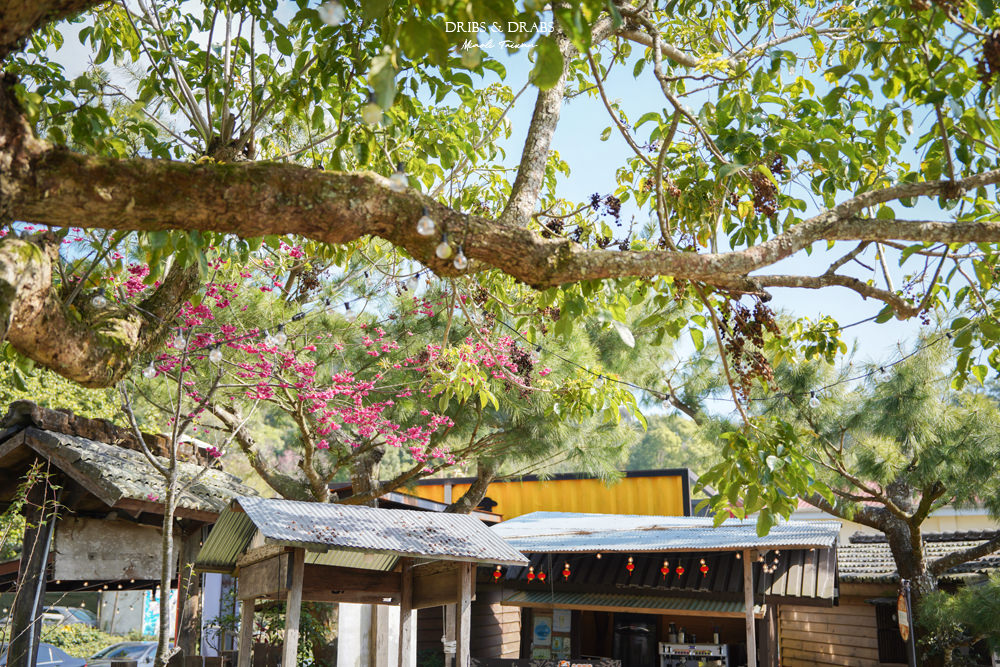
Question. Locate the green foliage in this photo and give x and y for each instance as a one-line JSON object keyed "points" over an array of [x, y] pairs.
{"points": [[53, 391], [953, 622], [673, 442], [80, 641]]}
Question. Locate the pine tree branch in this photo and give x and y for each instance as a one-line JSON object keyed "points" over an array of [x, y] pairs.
{"points": [[945, 563]]}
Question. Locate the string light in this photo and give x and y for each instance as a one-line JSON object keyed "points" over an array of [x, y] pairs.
{"points": [[413, 282], [813, 400], [280, 337], [497, 574], [269, 339], [371, 113], [398, 181], [630, 566], [426, 225], [531, 573], [599, 382], [215, 356], [461, 261], [178, 341], [443, 249], [99, 300], [332, 13]]}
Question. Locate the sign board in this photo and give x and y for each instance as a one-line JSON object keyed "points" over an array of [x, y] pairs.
{"points": [[542, 631], [903, 615]]}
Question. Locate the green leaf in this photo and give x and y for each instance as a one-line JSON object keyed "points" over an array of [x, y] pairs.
{"points": [[605, 134], [727, 170], [987, 7], [382, 79], [284, 45], [374, 9], [698, 338], [548, 63]]}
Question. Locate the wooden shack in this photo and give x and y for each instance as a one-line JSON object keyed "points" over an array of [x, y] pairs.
{"points": [[295, 551], [95, 513]]}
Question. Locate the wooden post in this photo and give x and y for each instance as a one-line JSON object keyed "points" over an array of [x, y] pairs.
{"points": [[26, 615], [246, 632], [293, 610], [464, 615], [748, 558], [406, 612], [448, 639], [189, 596]]}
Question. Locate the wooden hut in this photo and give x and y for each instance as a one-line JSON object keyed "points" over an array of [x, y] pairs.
{"points": [[295, 551]]}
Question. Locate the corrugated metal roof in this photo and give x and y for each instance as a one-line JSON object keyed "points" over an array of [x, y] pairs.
{"points": [[114, 473], [566, 600], [351, 528], [864, 560], [571, 532], [794, 573]]}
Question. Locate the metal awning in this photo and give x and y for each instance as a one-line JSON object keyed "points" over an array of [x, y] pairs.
{"points": [[566, 532], [680, 606], [368, 537]]}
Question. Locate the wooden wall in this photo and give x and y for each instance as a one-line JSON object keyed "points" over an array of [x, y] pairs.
{"points": [[842, 635], [496, 629]]}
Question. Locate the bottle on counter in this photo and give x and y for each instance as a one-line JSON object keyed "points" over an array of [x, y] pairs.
{"points": [[680, 635], [715, 635], [672, 634]]}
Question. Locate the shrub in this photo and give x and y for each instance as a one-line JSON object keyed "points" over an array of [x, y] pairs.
{"points": [[80, 641]]}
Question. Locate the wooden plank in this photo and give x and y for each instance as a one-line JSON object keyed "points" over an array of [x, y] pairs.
{"points": [[818, 659], [820, 648], [463, 615], [830, 628], [635, 610], [293, 610], [246, 633], [325, 583], [834, 639], [846, 612], [793, 577], [407, 617], [257, 554], [748, 557], [264, 578], [436, 588]]}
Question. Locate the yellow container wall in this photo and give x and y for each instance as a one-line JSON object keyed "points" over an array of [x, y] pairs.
{"points": [[658, 495]]}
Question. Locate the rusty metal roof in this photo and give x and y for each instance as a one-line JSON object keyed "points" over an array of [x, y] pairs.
{"points": [[551, 532], [350, 528]]}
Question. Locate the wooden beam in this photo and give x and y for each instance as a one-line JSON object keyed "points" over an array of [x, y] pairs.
{"points": [[257, 554], [435, 585], [406, 615], [463, 619], [748, 558], [631, 610], [326, 582], [264, 578], [26, 615], [293, 610], [245, 656]]}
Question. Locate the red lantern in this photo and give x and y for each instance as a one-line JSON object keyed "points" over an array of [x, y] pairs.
{"points": [[541, 576], [703, 568], [531, 574], [630, 566], [679, 570], [497, 574], [566, 571], [665, 570]]}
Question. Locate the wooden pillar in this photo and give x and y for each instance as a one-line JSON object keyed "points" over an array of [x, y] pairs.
{"points": [[293, 610], [748, 558], [246, 632], [448, 638], [26, 615], [406, 615], [463, 619], [189, 595]]}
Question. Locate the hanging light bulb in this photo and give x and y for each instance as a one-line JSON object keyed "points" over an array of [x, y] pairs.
{"points": [[813, 400], [149, 372], [371, 113], [497, 574], [566, 572], [665, 570], [630, 566], [99, 300], [426, 225], [665, 403], [332, 13], [398, 181], [536, 354], [280, 337], [599, 382], [215, 356], [443, 249], [598, 555], [269, 339], [178, 342], [461, 261], [413, 282], [531, 573]]}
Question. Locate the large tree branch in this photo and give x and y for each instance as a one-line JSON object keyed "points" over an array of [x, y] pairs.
{"points": [[92, 346], [945, 563], [19, 18], [67, 189]]}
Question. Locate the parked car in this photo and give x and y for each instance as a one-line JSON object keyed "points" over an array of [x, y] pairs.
{"points": [[48, 656], [142, 652], [69, 616]]}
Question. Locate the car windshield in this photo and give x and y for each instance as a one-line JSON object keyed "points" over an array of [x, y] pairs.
{"points": [[128, 651]]}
